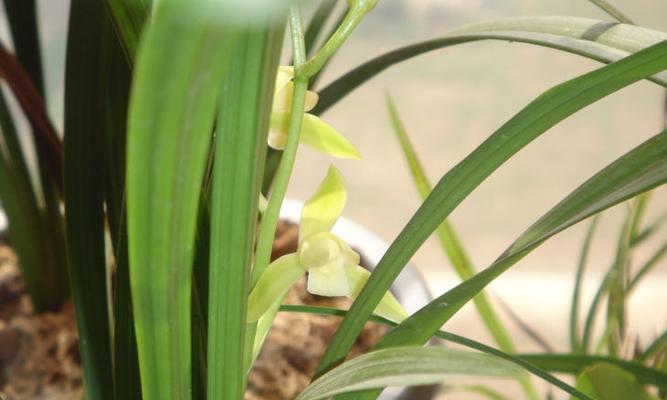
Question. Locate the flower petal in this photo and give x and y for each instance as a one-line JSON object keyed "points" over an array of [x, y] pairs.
{"points": [[329, 279], [277, 138], [285, 74], [388, 308], [318, 134], [321, 211], [282, 99], [273, 284]]}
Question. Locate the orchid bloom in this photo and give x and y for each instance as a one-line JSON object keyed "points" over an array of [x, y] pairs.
{"points": [[314, 132], [332, 266]]}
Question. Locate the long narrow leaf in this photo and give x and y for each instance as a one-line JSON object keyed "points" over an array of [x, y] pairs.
{"points": [[171, 115], [118, 77], [544, 112], [590, 38], [86, 77], [407, 366], [239, 161], [129, 18], [574, 333], [22, 18], [449, 240], [453, 338], [639, 170]]}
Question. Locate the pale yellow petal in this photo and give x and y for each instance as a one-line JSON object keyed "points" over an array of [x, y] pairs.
{"points": [[277, 138], [273, 284], [285, 74], [282, 99], [318, 134], [311, 100], [329, 279], [319, 249], [322, 210], [388, 308]]}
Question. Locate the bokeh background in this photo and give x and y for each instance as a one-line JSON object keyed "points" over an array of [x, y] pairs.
{"points": [[450, 101]]}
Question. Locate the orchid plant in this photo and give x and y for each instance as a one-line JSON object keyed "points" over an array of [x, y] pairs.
{"points": [[173, 110]]}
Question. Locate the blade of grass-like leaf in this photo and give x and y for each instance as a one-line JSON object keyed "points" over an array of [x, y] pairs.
{"points": [[659, 344], [590, 38], [544, 112], [49, 193], [574, 364], [239, 161], [129, 18], [639, 170], [449, 240], [118, 76], [451, 337], [47, 143], [172, 107], [575, 341], [612, 11], [647, 267], [451, 244], [603, 289], [41, 271], [615, 324], [606, 285], [407, 366], [648, 231], [11, 143], [22, 18], [86, 76]]}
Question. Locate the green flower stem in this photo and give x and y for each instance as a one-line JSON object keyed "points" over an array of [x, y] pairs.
{"points": [[354, 15], [269, 222], [267, 228]]}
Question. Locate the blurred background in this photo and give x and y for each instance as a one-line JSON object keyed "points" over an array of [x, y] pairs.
{"points": [[450, 101]]}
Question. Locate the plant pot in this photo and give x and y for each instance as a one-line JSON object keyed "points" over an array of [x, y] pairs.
{"points": [[409, 288]]}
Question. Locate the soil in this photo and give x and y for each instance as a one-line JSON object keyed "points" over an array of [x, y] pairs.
{"points": [[39, 354]]}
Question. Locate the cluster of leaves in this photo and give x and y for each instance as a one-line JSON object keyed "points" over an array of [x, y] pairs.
{"points": [[168, 108]]}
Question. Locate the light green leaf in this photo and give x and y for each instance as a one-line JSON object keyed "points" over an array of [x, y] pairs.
{"points": [[389, 306], [407, 366], [242, 126], [273, 285], [172, 108], [609, 382], [322, 210]]}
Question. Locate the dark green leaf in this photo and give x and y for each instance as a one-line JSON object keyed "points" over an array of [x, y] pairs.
{"points": [[87, 72]]}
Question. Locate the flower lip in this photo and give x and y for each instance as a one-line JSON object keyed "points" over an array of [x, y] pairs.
{"points": [[319, 250]]}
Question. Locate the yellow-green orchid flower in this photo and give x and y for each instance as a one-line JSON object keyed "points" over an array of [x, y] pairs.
{"points": [[332, 267], [314, 132]]}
